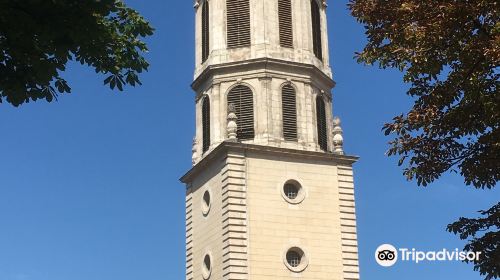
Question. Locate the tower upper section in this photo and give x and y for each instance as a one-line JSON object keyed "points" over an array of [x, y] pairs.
{"points": [[231, 31], [262, 75]]}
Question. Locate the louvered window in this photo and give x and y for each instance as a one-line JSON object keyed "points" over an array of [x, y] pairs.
{"points": [[205, 116], [205, 31], [285, 23], [289, 105], [293, 258], [242, 99], [321, 123], [238, 23], [316, 29]]}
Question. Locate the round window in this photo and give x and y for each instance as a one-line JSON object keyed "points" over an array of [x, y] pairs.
{"points": [[207, 263], [293, 258], [293, 192], [207, 266], [296, 260], [206, 202]]}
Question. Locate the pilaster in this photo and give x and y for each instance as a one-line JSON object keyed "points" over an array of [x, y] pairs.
{"points": [[234, 218], [348, 223], [189, 233]]}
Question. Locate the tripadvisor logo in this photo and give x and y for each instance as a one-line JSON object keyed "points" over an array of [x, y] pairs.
{"points": [[387, 255]]}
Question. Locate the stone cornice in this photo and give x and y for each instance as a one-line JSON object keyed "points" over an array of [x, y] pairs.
{"points": [[251, 149], [256, 64]]}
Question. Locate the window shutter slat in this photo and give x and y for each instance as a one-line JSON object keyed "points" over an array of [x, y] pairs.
{"points": [[238, 23], [321, 123], [205, 115], [242, 99], [289, 108], [316, 29], [205, 30], [285, 23]]}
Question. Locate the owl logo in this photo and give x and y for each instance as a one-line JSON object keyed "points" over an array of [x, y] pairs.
{"points": [[386, 255]]}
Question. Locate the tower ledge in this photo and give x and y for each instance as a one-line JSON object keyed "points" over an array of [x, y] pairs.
{"points": [[245, 149], [265, 64]]}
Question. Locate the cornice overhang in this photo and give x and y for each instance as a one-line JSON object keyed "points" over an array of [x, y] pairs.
{"points": [[259, 63], [254, 150]]}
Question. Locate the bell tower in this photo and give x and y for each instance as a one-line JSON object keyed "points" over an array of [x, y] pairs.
{"points": [[270, 194]]}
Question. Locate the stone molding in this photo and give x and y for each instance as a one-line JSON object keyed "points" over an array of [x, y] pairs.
{"points": [[227, 146]]}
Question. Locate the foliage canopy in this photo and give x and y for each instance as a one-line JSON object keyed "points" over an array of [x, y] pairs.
{"points": [[39, 37], [449, 53], [488, 244]]}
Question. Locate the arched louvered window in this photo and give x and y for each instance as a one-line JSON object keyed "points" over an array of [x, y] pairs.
{"points": [[316, 29], [205, 31], [289, 106], [321, 123], [285, 23], [238, 23], [205, 119], [242, 99]]}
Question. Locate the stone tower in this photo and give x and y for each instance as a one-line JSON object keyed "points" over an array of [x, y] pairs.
{"points": [[270, 195]]}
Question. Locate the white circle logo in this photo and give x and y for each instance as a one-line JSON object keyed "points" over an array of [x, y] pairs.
{"points": [[386, 255]]}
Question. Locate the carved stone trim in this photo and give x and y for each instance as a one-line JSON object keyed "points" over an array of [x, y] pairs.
{"points": [[350, 259], [189, 233], [234, 218]]}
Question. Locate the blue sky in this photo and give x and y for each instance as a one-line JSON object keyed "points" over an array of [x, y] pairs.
{"points": [[89, 184]]}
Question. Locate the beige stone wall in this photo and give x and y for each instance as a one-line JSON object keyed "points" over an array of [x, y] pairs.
{"points": [[222, 232], [316, 224], [250, 225], [203, 233]]}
